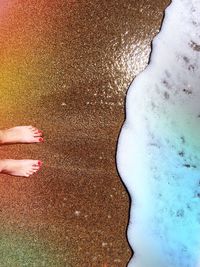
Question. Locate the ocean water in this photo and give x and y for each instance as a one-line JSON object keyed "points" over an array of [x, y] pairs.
{"points": [[158, 154]]}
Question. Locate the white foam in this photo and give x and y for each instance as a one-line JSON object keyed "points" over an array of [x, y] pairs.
{"points": [[158, 155]]}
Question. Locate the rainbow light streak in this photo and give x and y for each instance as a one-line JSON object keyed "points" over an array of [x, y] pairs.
{"points": [[26, 63]]}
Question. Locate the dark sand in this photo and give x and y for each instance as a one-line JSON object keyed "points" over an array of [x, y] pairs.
{"points": [[66, 70]]}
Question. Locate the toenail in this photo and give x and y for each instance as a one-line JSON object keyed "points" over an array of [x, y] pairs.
{"points": [[39, 162], [41, 139]]}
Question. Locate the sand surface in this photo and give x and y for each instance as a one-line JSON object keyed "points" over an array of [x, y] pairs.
{"points": [[65, 68]]}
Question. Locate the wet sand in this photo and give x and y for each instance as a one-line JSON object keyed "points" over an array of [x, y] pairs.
{"points": [[65, 69]]}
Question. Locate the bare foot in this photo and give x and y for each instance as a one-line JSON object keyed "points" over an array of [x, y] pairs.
{"points": [[22, 167], [21, 134]]}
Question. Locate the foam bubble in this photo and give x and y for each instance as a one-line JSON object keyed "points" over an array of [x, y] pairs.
{"points": [[158, 155]]}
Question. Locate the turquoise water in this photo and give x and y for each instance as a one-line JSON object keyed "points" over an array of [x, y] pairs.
{"points": [[158, 155]]}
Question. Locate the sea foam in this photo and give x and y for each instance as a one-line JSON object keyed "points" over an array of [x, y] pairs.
{"points": [[158, 154]]}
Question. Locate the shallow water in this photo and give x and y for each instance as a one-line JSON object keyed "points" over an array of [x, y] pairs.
{"points": [[158, 152]]}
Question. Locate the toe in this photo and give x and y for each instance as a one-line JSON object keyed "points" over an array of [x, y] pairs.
{"points": [[40, 163], [37, 133], [37, 139], [32, 128], [37, 163], [35, 168]]}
